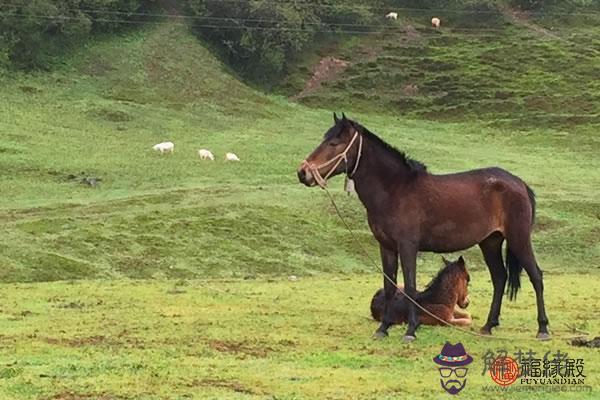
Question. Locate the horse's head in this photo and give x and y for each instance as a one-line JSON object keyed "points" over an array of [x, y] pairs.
{"points": [[339, 152], [460, 278]]}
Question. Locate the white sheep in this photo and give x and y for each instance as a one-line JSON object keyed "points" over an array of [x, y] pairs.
{"points": [[231, 157], [392, 15], [435, 22], [164, 147], [206, 155]]}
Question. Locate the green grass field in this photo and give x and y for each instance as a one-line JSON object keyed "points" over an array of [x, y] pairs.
{"points": [[169, 280]]}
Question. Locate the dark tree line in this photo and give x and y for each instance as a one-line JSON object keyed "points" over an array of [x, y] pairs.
{"points": [[32, 32], [256, 37]]}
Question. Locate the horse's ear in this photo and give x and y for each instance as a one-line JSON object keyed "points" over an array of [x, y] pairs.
{"points": [[335, 118], [344, 117], [446, 261], [461, 260]]}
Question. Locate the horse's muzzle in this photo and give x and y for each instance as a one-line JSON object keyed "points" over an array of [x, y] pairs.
{"points": [[305, 176], [465, 303]]}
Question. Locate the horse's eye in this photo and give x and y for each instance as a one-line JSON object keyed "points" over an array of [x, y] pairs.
{"points": [[333, 143]]}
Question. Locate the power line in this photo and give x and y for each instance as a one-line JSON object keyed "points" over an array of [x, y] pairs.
{"points": [[253, 28], [442, 11], [212, 22]]}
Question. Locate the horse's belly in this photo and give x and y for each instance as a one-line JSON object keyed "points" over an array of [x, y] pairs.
{"points": [[450, 236]]}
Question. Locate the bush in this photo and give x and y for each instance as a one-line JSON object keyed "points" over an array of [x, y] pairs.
{"points": [[33, 32], [258, 38]]}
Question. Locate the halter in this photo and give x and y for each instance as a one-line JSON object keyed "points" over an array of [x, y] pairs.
{"points": [[322, 181]]}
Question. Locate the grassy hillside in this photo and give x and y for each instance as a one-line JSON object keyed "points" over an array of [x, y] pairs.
{"points": [[514, 69], [175, 271], [176, 216]]}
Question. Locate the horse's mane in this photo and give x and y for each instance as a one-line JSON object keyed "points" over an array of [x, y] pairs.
{"points": [[413, 165], [432, 287]]}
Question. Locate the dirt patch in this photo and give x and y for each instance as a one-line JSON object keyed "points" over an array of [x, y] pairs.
{"points": [[98, 340], [110, 115], [583, 342], [410, 90], [327, 69], [543, 223], [224, 384], [79, 342], [411, 34], [241, 349], [523, 18], [30, 89], [81, 396]]}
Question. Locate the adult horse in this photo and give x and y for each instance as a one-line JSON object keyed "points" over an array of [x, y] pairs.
{"points": [[410, 210]]}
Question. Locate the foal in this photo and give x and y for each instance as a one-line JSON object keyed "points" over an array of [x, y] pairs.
{"points": [[448, 290]]}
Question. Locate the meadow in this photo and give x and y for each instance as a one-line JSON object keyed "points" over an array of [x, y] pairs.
{"points": [[170, 279]]}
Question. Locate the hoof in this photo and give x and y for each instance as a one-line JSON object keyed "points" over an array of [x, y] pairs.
{"points": [[378, 335], [485, 331], [409, 338], [543, 336]]}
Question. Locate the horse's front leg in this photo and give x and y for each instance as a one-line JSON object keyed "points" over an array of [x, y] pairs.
{"points": [[408, 259], [461, 318], [458, 313], [389, 259]]}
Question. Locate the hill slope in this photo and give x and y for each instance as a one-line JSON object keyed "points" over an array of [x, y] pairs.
{"points": [[178, 217], [507, 67]]}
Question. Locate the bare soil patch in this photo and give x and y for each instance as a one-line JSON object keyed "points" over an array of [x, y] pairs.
{"points": [[84, 396], [327, 69], [523, 18], [222, 383], [583, 342], [241, 348]]}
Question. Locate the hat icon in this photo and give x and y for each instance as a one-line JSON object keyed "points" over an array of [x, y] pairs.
{"points": [[453, 355]]}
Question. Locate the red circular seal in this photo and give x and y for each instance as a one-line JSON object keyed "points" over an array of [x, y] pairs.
{"points": [[504, 371]]}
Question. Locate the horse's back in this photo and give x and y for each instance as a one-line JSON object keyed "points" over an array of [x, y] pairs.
{"points": [[463, 208], [479, 184]]}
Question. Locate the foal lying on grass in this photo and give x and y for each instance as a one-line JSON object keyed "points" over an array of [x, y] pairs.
{"points": [[441, 296]]}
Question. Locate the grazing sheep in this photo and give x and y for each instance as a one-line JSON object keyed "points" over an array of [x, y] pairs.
{"points": [[206, 155], [164, 147], [435, 22], [392, 15], [231, 157]]}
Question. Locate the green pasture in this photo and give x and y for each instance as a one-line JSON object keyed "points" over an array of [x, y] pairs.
{"points": [[171, 278], [257, 339]]}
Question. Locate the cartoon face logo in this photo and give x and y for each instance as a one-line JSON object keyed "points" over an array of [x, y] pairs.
{"points": [[452, 361]]}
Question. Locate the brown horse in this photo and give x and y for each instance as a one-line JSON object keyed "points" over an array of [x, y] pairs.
{"points": [[411, 210], [447, 291]]}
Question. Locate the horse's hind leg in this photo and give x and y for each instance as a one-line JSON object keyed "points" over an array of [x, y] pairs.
{"points": [[491, 248], [461, 321], [460, 313], [523, 252]]}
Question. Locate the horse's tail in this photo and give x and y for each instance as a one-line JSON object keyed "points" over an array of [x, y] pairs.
{"points": [[512, 262], [514, 274], [531, 195]]}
